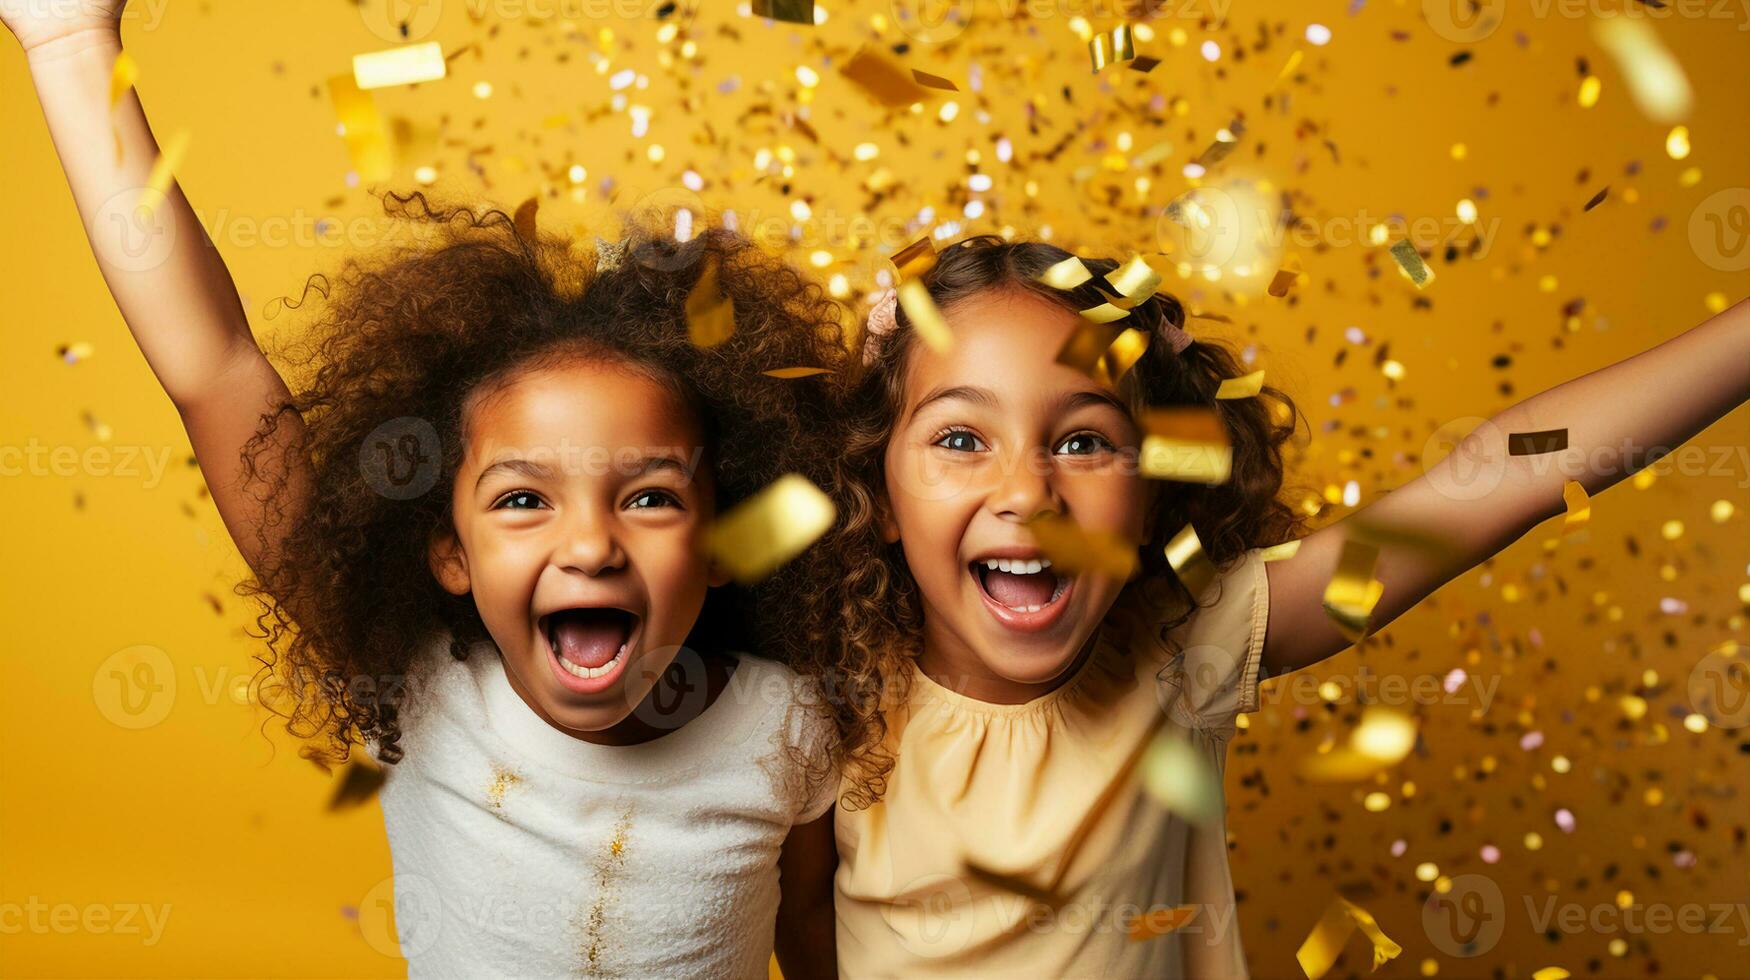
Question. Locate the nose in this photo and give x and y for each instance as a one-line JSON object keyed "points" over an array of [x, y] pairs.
{"points": [[590, 546], [1027, 488]]}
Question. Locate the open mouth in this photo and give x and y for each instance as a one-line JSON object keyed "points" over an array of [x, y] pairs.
{"points": [[589, 643], [1020, 585]]}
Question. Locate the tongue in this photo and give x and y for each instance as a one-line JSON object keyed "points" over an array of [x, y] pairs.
{"points": [[589, 639], [1020, 590]]}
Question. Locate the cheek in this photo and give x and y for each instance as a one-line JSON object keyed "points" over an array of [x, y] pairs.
{"points": [[1109, 500]]}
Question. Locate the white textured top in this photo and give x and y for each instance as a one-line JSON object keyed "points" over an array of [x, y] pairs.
{"points": [[522, 851]]}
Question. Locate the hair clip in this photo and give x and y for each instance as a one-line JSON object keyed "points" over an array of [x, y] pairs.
{"points": [[608, 254]]}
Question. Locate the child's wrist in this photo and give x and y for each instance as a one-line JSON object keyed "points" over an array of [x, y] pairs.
{"points": [[104, 38]]}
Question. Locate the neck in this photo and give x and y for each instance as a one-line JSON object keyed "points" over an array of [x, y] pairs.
{"points": [[951, 662]]}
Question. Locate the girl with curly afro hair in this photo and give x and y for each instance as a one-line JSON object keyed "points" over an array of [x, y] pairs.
{"points": [[479, 519]]}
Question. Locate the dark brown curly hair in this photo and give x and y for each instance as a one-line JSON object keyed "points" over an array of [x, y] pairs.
{"points": [[872, 620], [402, 339]]}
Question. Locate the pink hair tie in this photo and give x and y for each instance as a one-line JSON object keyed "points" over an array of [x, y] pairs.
{"points": [[883, 317]]}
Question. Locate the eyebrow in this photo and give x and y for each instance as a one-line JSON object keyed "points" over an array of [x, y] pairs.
{"points": [[1093, 398], [541, 471], [1086, 398], [978, 396]]}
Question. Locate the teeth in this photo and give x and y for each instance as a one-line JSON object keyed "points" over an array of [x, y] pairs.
{"points": [[1017, 566], [578, 670]]}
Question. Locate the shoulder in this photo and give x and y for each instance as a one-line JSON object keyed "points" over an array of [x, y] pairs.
{"points": [[798, 731], [1215, 649], [439, 692]]}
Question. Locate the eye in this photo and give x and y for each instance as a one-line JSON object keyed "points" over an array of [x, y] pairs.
{"points": [[1084, 444], [518, 500], [646, 499], [959, 440]]}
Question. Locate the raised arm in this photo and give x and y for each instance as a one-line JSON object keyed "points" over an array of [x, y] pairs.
{"points": [[1480, 498], [167, 278]]}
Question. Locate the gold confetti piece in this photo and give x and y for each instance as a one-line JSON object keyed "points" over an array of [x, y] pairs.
{"points": [[358, 784], [1656, 80], [882, 78], [1383, 738], [1015, 885], [1067, 274], [1579, 506], [1293, 63], [164, 170], [1537, 443], [1244, 386], [1114, 48], [1186, 557], [788, 11], [1181, 779], [1085, 348], [1105, 313], [399, 66], [1285, 277], [1551, 973], [1411, 262], [1598, 198], [792, 373], [1121, 355], [768, 529], [710, 314], [1077, 549], [928, 80], [1225, 141], [74, 352], [1277, 552], [1325, 943], [1159, 922], [367, 140], [122, 76], [1135, 280], [917, 259], [524, 219], [1145, 64], [925, 318], [1189, 445], [1353, 591]]}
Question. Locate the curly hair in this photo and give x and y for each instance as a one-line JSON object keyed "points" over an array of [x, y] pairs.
{"points": [[876, 609], [386, 372]]}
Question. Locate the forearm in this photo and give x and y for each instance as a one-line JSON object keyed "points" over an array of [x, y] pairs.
{"points": [[1622, 417], [168, 280], [1482, 497]]}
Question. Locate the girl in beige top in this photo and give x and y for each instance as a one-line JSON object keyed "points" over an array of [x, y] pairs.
{"points": [[1010, 636]]}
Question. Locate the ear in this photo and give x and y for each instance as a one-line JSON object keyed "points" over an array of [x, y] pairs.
{"points": [[716, 576], [449, 563], [884, 516]]}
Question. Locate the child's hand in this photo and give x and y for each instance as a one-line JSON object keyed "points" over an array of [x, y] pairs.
{"points": [[37, 22]]}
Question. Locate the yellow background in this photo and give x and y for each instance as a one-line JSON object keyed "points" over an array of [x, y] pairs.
{"points": [[203, 813]]}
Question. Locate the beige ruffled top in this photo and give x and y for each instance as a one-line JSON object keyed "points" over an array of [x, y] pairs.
{"points": [[1016, 840]]}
